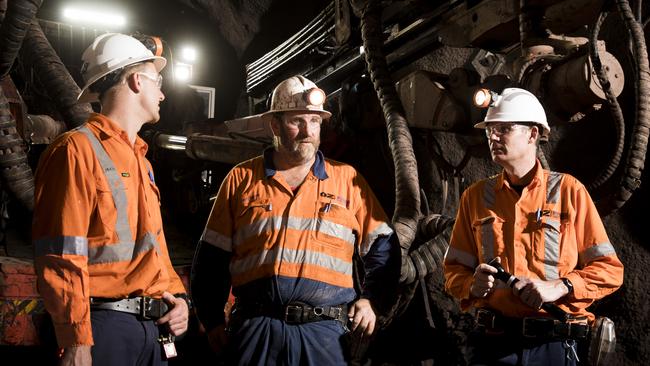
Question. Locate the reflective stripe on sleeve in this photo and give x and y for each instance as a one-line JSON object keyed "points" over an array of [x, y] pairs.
{"points": [[215, 239], [381, 230], [592, 253], [455, 255], [74, 245]]}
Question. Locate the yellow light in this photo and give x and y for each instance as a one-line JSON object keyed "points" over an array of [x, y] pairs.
{"points": [[315, 96], [482, 98]]}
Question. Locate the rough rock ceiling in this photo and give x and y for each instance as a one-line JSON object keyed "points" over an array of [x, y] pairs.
{"points": [[253, 27]]}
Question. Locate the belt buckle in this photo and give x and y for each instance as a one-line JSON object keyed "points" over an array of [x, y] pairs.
{"points": [[145, 307], [293, 314]]}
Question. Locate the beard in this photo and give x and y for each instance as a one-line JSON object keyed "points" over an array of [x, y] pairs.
{"points": [[297, 151]]}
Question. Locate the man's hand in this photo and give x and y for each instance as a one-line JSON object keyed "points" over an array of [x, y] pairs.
{"points": [[218, 339], [176, 318], [76, 356], [363, 317], [536, 292], [483, 280]]}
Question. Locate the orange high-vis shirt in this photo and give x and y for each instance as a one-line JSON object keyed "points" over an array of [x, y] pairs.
{"points": [[97, 229], [312, 233], [552, 231]]}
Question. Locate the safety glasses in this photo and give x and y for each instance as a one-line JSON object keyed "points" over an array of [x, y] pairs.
{"points": [[157, 78], [501, 129]]}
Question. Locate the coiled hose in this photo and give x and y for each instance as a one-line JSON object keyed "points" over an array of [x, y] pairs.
{"points": [[428, 257], [14, 28], [407, 196], [16, 174], [56, 79], [631, 179], [614, 106]]}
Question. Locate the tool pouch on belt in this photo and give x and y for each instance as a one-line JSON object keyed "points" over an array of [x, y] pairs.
{"points": [[602, 342]]}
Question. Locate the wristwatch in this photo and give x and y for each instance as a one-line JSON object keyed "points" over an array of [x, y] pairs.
{"points": [[568, 285]]}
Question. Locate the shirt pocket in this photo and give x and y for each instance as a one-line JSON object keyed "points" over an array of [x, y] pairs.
{"points": [[332, 224], [547, 240], [488, 233], [106, 212], [254, 219]]}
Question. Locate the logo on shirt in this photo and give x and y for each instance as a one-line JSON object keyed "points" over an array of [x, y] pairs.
{"points": [[126, 174]]}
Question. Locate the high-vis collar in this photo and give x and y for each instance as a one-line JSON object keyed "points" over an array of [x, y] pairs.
{"points": [[502, 182], [109, 129], [318, 168]]}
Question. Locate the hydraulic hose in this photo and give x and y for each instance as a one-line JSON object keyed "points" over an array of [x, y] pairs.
{"points": [[407, 191], [631, 179], [429, 257], [614, 106], [16, 173], [15, 25], [56, 79]]}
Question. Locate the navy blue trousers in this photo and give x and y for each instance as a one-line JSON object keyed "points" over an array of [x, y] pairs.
{"points": [[268, 341], [519, 351], [123, 340]]}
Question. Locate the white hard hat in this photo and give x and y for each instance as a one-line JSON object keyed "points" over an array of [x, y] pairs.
{"points": [[516, 105], [110, 52], [296, 94]]}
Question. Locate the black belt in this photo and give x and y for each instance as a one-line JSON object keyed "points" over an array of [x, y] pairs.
{"points": [[495, 324], [293, 313], [145, 307]]}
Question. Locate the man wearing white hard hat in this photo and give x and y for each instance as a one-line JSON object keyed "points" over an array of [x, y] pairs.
{"points": [[528, 251], [100, 253], [283, 232]]}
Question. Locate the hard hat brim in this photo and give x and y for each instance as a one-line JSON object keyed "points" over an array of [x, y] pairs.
{"points": [[86, 96], [266, 116]]}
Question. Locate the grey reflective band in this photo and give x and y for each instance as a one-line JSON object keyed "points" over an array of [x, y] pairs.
{"points": [[595, 252], [488, 192], [122, 227], [72, 245], [381, 230], [215, 239], [125, 249], [551, 248], [487, 240], [553, 187], [277, 254], [455, 255], [551, 228], [122, 251], [275, 223]]}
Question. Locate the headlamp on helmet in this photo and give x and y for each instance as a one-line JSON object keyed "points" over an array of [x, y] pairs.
{"points": [[484, 98], [314, 96]]}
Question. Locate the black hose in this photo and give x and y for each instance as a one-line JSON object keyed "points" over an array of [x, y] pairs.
{"points": [[407, 199], [15, 25], [16, 173], [56, 79], [614, 106], [631, 179], [429, 257]]}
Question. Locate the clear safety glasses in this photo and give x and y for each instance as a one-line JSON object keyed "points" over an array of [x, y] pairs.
{"points": [[157, 78]]}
